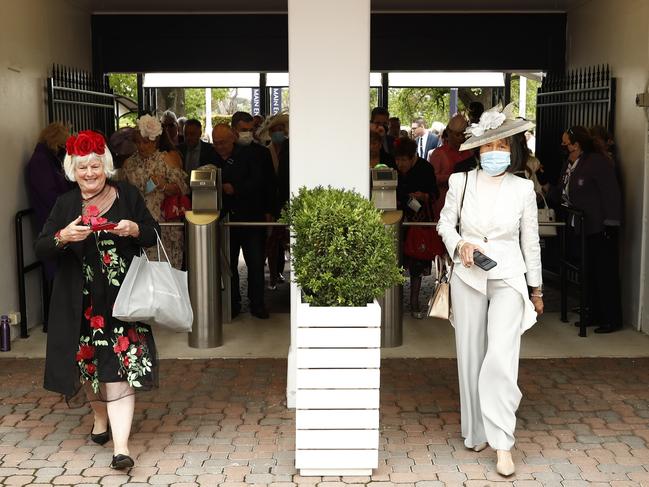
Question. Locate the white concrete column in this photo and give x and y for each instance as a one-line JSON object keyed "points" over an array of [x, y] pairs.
{"points": [[522, 96], [208, 113], [329, 66]]}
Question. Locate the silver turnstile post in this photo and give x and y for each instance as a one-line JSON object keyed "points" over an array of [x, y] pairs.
{"points": [[392, 301], [204, 273]]}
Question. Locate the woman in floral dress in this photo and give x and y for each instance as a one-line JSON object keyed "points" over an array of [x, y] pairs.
{"points": [[157, 174], [93, 232]]}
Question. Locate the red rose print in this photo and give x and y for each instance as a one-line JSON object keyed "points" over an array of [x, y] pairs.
{"points": [[86, 352], [132, 335], [92, 210], [126, 361], [91, 368], [138, 352], [78, 357], [107, 258], [88, 313], [97, 322], [121, 345]]}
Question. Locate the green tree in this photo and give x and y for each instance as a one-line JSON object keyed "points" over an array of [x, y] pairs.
{"points": [[532, 90], [124, 84]]}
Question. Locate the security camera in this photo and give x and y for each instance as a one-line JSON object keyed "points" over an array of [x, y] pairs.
{"points": [[642, 100]]}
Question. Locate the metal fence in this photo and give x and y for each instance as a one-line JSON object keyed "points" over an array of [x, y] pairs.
{"points": [[581, 97], [80, 99]]}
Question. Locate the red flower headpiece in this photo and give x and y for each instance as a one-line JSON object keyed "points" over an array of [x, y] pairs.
{"points": [[86, 142]]}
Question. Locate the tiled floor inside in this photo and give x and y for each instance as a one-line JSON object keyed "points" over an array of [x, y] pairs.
{"points": [[223, 422]]}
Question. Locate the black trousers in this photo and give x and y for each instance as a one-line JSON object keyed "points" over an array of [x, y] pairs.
{"points": [[252, 241], [603, 277]]}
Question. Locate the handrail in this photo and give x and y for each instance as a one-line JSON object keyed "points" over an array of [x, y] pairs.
{"points": [[581, 269], [22, 270]]}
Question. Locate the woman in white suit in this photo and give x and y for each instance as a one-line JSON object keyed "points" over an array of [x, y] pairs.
{"points": [[494, 212]]}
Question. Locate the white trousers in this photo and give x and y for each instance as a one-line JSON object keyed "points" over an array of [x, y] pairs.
{"points": [[488, 338]]}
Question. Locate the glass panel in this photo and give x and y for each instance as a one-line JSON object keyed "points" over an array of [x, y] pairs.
{"points": [[200, 80], [446, 80], [375, 80]]}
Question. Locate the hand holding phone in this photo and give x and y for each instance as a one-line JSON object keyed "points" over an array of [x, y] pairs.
{"points": [[482, 261]]}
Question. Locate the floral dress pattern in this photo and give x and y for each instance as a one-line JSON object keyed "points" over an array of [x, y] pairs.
{"points": [[110, 350], [137, 170]]}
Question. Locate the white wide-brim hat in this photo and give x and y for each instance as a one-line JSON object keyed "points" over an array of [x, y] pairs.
{"points": [[496, 123], [280, 118]]}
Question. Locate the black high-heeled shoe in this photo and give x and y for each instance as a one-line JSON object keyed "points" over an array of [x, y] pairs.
{"points": [[121, 462], [100, 438]]}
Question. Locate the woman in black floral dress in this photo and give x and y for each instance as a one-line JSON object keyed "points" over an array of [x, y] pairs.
{"points": [[93, 232]]}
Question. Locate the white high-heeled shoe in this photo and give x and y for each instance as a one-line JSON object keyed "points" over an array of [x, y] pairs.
{"points": [[505, 465], [480, 447]]}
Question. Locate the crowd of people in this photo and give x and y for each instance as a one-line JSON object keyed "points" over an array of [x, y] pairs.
{"points": [[475, 175], [595, 191]]}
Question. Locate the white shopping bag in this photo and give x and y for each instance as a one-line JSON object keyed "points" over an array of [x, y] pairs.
{"points": [[156, 294]]}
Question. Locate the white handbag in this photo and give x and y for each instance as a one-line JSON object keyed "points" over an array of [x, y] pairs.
{"points": [[547, 215], [155, 293], [439, 304]]}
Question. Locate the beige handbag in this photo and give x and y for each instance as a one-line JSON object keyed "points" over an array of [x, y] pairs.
{"points": [[439, 304], [547, 215]]}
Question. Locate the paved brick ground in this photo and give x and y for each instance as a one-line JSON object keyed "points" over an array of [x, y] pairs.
{"points": [[582, 422]]}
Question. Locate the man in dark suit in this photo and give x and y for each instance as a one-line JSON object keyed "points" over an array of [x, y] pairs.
{"points": [[194, 151], [243, 125], [426, 141], [243, 200]]}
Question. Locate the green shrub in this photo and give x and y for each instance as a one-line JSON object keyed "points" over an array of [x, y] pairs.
{"points": [[342, 254]]}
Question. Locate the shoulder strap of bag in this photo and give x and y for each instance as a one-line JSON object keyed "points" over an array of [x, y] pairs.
{"points": [[459, 217]]}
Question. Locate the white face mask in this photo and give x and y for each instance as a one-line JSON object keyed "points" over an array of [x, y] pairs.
{"points": [[245, 138]]}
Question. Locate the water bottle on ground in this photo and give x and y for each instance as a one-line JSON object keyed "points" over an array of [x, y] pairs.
{"points": [[5, 334]]}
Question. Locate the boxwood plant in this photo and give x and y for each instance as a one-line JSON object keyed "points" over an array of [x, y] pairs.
{"points": [[342, 254]]}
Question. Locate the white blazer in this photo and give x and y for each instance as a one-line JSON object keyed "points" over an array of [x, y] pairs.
{"points": [[510, 236]]}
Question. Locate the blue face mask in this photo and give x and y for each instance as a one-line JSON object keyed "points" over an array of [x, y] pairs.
{"points": [[495, 162], [150, 186], [277, 137]]}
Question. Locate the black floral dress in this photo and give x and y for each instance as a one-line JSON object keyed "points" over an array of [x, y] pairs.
{"points": [[110, 350]]}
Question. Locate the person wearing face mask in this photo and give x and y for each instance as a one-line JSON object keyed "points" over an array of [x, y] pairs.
{"points": [[243, 201], [243, 125], [491, 210], [588, 183], [276, 129]]}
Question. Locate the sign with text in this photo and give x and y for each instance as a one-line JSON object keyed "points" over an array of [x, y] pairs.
{"points": [[256, 101], [275, 100]]}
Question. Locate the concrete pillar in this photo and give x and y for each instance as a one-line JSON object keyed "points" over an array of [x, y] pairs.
{"points": [[522, 97], [329, 66]]}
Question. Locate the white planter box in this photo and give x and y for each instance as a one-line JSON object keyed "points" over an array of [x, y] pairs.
{"points": [[338, 356]]}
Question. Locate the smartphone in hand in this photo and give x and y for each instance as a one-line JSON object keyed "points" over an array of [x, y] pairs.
{"points": [[482, 261], [103, 226]]}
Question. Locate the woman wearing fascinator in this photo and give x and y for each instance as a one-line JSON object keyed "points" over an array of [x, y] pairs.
{"points": [[489, 226], [93, 232]]}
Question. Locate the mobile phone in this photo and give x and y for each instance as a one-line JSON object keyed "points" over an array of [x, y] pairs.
{"points": [[103, 226], [482, 261]]}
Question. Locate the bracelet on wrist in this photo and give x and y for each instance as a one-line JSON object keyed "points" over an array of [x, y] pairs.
{"points": [[536, 295], [57, 239]]}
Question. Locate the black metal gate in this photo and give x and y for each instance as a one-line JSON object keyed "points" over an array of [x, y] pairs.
{"points": [[83, 101], [581, 97]]}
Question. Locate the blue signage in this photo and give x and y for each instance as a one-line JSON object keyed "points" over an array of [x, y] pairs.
{"points": [[275, 100], [256, 101]]}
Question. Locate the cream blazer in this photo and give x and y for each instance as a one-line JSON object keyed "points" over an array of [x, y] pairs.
{"points": [[510, 236]]}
